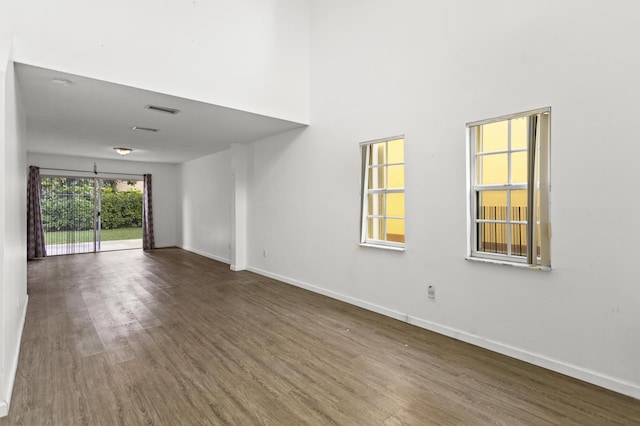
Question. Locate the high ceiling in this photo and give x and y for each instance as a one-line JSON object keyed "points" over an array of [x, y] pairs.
{"points": [[72, 115]]}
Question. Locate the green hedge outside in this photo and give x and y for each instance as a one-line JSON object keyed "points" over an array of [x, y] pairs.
{"points": [[66, 212], [121, 209]]}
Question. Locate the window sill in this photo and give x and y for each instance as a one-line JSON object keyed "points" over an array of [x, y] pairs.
{"points": [[507, 263], [383, 247]]}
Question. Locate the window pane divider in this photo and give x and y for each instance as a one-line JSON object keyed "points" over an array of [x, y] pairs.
{"points": [[503, 151], [501, 221], [385, 191], [500, 187], [379, 165], [509, 251]]}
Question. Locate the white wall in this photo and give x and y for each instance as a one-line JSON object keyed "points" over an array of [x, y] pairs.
{"points": [[8, 14], [424, 69], [204, 206], [5, 316], [164, 181], [13, 249], [250, 55]]}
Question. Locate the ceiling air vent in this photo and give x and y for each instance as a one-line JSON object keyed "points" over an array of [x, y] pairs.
{"points": [[146, 129], [163, 109]]}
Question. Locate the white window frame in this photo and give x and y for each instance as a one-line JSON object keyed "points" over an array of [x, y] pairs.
{"points": [[539, 144], [365, 191]]}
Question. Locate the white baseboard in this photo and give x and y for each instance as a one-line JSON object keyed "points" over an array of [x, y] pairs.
{"points": [[351, 300], [611, 383], [13, 369], [205, 254], [543, 361]]}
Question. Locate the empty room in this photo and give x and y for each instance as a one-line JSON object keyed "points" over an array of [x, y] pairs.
{"points": [[319, 212]]}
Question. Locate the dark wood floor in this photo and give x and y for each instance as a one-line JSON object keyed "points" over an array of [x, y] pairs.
{"points": [[168, 337]]}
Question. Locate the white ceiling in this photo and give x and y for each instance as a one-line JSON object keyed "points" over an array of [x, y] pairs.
{"points": [[89, 117]]}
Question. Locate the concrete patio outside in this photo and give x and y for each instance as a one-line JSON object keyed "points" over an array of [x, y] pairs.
{"points": [[60, 249]]}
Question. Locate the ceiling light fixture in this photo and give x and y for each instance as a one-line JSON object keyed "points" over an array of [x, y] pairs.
{"points": [[146, 129], [122, 151]]}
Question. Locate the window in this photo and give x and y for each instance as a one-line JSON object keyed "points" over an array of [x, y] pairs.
{"points": [[508, 175], [383, 193]]}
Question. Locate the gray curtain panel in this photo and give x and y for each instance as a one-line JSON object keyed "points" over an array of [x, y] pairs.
{"points": [[35, 231], [148, 242]]}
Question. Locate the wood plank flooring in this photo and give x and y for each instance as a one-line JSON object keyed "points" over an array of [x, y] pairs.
{"points": [[168, 337]]}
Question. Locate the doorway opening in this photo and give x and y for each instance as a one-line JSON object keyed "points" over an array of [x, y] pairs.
{"points": [[89, 215]]}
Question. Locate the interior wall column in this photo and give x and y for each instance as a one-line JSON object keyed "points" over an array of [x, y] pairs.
{"points": [[239, 170]]}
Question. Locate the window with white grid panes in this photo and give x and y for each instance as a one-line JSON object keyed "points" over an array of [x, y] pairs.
{"points": [[508, 175], [383, 217]]}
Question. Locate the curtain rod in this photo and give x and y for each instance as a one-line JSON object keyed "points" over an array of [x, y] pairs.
{"points": [[94, 172]]}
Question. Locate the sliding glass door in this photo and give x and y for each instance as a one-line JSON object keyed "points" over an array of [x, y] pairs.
{"points": [[120, 214], [84, 215]]}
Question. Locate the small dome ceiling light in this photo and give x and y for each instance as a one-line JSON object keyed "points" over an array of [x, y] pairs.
{"points": [[123, 151]]}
